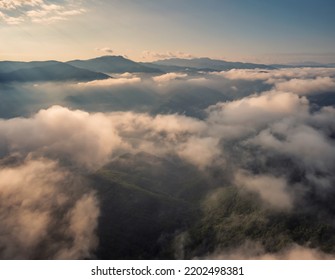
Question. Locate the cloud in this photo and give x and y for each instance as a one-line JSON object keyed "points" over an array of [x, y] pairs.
{"points": [[82, 138], [83, 220], [35, 197], [105, 49], [275, 74], [255, 251], [167, 134], [306, 144], [151, 55], [199, 151], [307, 86], [169, 77], [89, 140], [245, 74], [247, 115], [111, 82], [14, 4], [271, 143], [15, 12], [273, 190]]}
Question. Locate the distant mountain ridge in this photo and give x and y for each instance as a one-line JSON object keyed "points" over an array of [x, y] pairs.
{"points": [[9, 66], [75, 70], [113, 64], [208, 64], [310, 64], [55, 71], [100, 67]]}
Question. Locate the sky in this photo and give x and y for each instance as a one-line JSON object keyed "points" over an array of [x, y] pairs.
{"points": [[264, 31]]}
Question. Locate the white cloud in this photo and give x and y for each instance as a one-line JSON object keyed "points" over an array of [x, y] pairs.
{"points": [[245, 74], [83, 220], [86, 139], [169, 77], [200, 151], [33, 196], [255, 251], [37, 11], [307, 86], [249, 114], [275, 74], [167, 134], [273, 190], [307, 144], [90, 140], [11, 20], [105, 49], [111, 82], [14, 4]]}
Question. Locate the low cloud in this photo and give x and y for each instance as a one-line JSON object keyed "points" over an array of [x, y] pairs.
{"points": [[272, 190], [264, 137], [255, 251], [85, 139], [275, 74], [168, 134], [245, 74], [307, 86], [89, 140], [111, 82], [200, 151], [247, 115], [169, 77], [309, 146], [45, 213]]}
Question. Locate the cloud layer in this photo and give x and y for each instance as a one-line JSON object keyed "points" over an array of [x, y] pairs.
{"points": [[257, 129]]}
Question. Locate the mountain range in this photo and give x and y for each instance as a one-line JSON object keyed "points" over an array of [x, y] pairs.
{"points": [[208, 64], [44, 72], [113, 64], [102, 67]]}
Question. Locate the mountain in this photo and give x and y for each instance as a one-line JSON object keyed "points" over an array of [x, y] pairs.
{"points": [[238, 217], [10, 66], [113, 64], [208, 64], [142, 210], [55, 71], [165, 208], [310, 64]]}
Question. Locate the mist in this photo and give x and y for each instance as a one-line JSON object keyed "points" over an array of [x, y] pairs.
{"points": [[77, 156]]}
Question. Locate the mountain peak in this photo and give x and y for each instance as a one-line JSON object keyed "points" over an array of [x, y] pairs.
{"points": [[112, 64]]}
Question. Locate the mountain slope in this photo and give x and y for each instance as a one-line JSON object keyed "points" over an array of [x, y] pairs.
{"points": [[10, 66], [57, 71], [112, 64], [142, 210]]}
